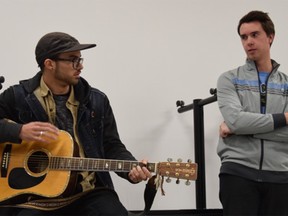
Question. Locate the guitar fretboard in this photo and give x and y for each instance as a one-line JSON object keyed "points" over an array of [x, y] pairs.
{"points": [[87, 164]]}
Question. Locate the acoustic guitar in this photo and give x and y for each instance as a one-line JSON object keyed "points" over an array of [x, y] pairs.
{"points": [[45, 170]]}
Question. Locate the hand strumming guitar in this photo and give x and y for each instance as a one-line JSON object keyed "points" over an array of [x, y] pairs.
{"points": [[38, 131]]}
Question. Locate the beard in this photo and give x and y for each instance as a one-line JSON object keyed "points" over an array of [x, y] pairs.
{"points": [[66, 79]]}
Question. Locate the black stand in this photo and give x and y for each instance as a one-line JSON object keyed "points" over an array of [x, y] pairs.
{"points": [[199, 159], [199, 143]]}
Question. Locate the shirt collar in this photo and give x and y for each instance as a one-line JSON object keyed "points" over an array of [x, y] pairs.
{"points": [[45, 91]]}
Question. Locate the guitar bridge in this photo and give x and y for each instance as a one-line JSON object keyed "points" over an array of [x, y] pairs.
{"points": [[5, 160]]}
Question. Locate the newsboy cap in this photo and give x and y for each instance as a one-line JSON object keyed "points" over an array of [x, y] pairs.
{"points": [[55, 43]]}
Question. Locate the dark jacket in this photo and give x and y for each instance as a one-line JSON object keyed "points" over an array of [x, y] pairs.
{"points": [[96, 125]]}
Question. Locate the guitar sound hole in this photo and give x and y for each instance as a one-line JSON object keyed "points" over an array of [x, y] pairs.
{"points": [[38, 162]]}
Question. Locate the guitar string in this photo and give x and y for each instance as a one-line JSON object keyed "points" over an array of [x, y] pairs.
{"points": [[78, 162]]}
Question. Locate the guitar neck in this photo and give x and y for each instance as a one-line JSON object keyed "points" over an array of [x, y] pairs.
{"points": [[91, 164]]}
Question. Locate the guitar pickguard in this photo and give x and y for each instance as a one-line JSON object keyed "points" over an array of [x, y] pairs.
{"points": [[20, 179]]}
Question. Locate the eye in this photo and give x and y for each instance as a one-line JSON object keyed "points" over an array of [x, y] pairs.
{"points": [[243, 37], [255, 34], [77, 61]]}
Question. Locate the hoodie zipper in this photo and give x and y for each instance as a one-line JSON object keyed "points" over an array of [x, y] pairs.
{"points": [[263, 97]]}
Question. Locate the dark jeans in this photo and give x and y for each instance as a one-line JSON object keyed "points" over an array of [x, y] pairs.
{"points": [[97, 203], [240, 196]]}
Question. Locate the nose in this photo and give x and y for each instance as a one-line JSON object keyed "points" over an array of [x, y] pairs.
{"points": [[250, 41], [80, 66]]}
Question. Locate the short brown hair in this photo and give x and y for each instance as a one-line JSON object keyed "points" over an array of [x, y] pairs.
{"points": [[261, 17]]}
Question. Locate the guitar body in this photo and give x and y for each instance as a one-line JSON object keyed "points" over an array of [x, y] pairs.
{"points": [[25, 168]]}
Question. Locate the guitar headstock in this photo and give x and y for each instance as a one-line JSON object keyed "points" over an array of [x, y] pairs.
{"points": [[179, 170]]}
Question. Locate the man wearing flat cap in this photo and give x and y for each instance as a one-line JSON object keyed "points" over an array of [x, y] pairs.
{"points": [[40, 118]]}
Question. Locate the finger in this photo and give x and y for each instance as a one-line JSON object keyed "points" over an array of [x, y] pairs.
{"points": [[50, 128], [144, 161], [133, 177], [37, 136], [141, 174], [47, 130], [147, 172], [48, 136], [145, 169]]}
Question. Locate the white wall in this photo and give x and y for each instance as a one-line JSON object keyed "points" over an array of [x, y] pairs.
{"points": [[149, 54]]}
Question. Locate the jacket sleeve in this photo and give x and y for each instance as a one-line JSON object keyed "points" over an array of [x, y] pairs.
{"points": [[280, 134], [239, 120], [9, 130], [113, 146]]}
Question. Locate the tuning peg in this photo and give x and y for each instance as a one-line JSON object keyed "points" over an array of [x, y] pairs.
{"points": [[169, 159], [179, 160], [168, 180], [177, 181], [187, 182]]}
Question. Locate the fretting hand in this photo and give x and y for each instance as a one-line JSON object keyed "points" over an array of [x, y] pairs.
{"points": [[138, 173]]}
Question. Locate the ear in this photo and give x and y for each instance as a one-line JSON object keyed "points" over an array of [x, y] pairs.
{"points": [[49, 64], [271, 38]]}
